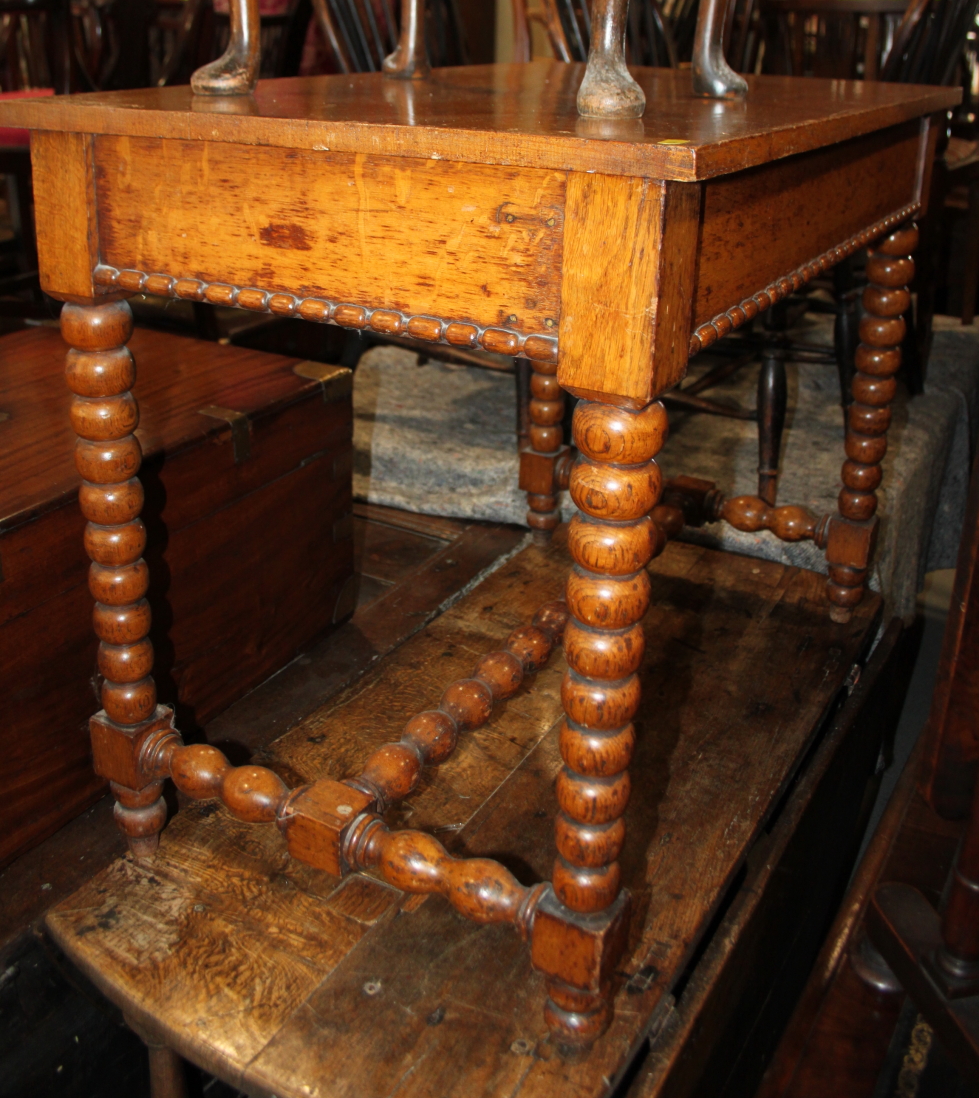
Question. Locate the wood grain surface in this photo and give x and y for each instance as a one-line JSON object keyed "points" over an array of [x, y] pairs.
{"points": [[244, 962], [229, 546], [462, 242], [408, 566], [176, 377], [627, 285], [720, 1034], [521, 114], [64, 212], [825, 196]]}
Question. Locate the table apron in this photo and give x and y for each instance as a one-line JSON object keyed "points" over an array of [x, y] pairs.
{"points": [[607, 275]]}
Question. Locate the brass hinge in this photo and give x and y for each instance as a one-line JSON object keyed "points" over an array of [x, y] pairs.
{"points": [[335, 381], [241, 438]]}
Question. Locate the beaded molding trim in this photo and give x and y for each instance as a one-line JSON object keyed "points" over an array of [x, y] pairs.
{"points": [[501, 341], [726, 322]]}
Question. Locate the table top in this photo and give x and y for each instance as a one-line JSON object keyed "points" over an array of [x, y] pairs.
{"points": [[515, 115]]}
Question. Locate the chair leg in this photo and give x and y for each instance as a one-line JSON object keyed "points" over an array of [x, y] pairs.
{"points": [[772, 398], [539, 463], [970, 283], [845, 341], [167, 1078]]}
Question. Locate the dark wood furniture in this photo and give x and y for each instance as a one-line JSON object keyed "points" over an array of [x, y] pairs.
{"points": [[246, 477], [933, 949], [888, 938], [837, 1041], [827, 37], [282, 978], [476, 209], [951, 764]]}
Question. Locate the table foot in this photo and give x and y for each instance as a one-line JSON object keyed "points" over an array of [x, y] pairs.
{"points": [[410, 59], [713, 77]]}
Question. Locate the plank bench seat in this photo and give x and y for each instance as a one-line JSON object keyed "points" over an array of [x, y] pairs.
{"points": [[282, 979]]}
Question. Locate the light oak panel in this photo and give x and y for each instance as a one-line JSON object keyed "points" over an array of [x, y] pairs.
{"points": [[825, 196], [64, 211], [484, 243], [627, 286]]}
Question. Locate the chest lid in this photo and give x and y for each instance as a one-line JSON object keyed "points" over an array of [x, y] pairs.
{"points": [[178, 379]]}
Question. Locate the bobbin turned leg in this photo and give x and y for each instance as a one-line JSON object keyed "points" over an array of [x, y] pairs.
{"points": [[101, 372], [852, 536], [542, 464], [580, 930]]}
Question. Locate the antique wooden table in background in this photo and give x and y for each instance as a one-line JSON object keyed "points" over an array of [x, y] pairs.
{"points": [[475, 208]]}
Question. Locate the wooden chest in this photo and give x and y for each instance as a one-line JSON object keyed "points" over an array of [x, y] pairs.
{"points": [[247, 480]]}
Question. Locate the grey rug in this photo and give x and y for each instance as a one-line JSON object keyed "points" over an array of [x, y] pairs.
{"points": [[442, 440]]}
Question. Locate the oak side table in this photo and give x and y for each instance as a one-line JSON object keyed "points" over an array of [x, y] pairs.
{"points": [[475, 208]]}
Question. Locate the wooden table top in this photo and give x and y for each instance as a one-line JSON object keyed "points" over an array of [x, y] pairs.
{"points": [[516, 115]]}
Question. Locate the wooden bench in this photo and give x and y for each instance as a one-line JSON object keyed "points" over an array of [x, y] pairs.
{"points": [[283, 979]]}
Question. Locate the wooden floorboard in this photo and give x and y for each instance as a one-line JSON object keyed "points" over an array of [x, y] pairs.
{"points": [[742, 666]]}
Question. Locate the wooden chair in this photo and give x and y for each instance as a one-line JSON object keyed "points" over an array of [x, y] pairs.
{"points": [[35, 55], [839, 39], [361, 34], [649, 39], [35, 45], [935, 954]]}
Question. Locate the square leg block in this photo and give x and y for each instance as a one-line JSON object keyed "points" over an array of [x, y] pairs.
{"points": [[538, 472], [580, 950], [317, 823], [851, 544], [117, 750]]}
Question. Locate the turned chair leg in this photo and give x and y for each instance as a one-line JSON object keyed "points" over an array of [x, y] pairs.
{"points": [[167, 1078], [101, 373], [236, 71], [772, 401], [607, 89], [581, 930], [845, 331], [890, 269], [410, 58], [540, 463]]}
